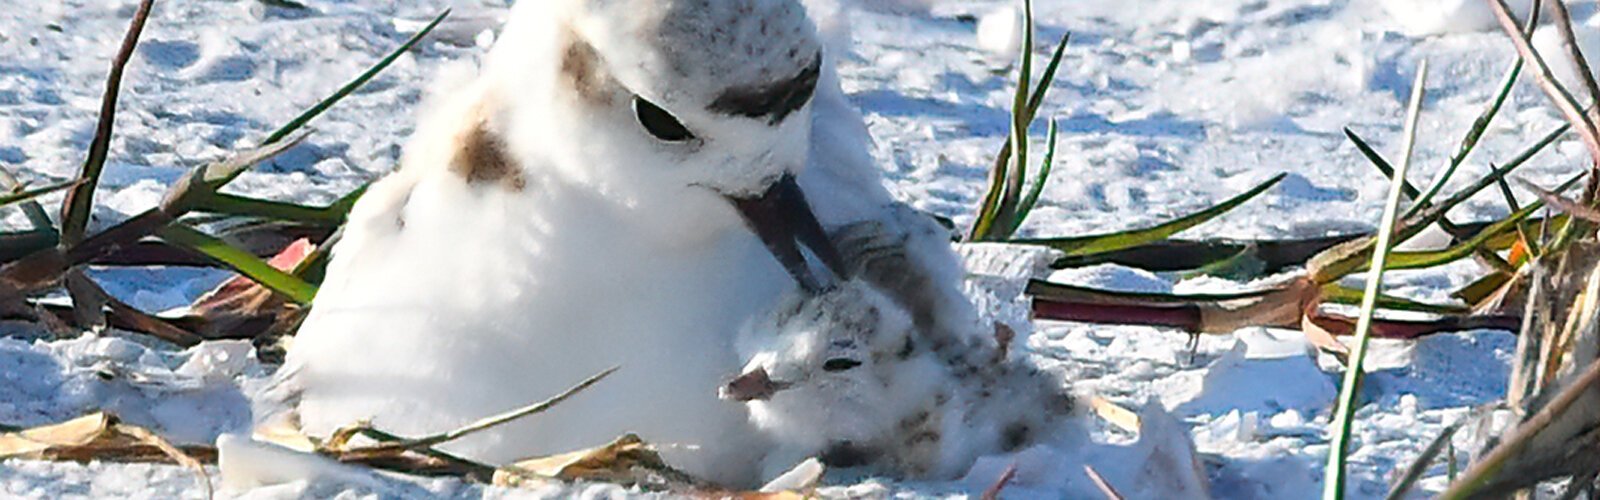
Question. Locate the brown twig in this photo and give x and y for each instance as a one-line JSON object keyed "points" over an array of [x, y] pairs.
{"points": [[75, 209], [999, 484], [1100, 482]]}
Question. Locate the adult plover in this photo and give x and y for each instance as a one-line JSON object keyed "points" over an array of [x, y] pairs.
{"points": [[611, 188]]}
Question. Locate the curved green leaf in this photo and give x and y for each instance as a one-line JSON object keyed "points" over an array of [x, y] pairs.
{"points": [[240, 261], [1079, 246]]}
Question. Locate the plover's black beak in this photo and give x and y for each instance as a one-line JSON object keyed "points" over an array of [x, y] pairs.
{"points": [[784, 222]]}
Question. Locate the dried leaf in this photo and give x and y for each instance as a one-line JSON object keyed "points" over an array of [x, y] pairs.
{"points": [[1115, 414], [1315, 328], [627, 461], [98, 436]]}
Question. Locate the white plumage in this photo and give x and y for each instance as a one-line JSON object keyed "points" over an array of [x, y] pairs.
{"points": [[548, 222], [851, 377]]}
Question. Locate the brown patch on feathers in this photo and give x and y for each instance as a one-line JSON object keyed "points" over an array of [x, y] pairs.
{"points": [[581, 66], [482, 159]]}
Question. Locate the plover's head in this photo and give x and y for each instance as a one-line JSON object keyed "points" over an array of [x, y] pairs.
{"points": [[835, 373], [675, 108]]}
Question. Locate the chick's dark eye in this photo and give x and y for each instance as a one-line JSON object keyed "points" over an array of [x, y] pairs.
{"points": [[659, 122], [839, 364]]}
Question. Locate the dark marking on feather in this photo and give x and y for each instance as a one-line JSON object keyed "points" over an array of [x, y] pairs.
{"points": [[580, 63], [1014, 436], [482, 159], [773, 102]]}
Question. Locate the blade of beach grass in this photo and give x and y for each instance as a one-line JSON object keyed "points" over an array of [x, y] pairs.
{"points": [[76, 207], [996, 215], [360, 80], [1418, 203], [36, 214], [1343, 259], [1334, 487], [1346, 295], [997, 208], [20, 196], [1045, 164], [1430, 258], [1479, 125], [244, 263], [1006, 213], [1559, 96], [1081, 246]]}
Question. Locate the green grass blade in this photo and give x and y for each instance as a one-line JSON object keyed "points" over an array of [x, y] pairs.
{"points": [[269, 209], [1062, 291], [328, 102], [1333, 487], [1047, 78], [29, 194], [1342, 260], [240, 261], [1479, 125], [1010, 195], [1032, 199], [1419, 260], [1078, 246], [1345, 295]]}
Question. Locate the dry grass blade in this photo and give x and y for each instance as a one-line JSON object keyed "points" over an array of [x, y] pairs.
{"points": [[1562, 99], [96, 436], [19, 195], [627, 461], [1563, 23], [1440, 443], [1561, 203], [1483, 470], [177, 455], [75, 210], [487, 423], [31, 209]]}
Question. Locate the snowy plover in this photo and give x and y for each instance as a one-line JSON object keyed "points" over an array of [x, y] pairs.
{"points": [[847, 377], [610, 189]]}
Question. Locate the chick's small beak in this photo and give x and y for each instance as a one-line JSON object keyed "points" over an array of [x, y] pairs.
{"points": [[784, 222], [753, 385]]}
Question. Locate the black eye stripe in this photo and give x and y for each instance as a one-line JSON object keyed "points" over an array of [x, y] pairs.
{"points": [[660, 123], [773, 102], [839, 364]]}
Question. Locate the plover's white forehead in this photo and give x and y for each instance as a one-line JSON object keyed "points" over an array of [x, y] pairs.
{"points": [[742, 57]]}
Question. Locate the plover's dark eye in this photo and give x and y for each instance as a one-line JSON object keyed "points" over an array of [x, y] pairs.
{"points": [[659, 122], [839, 364]]}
